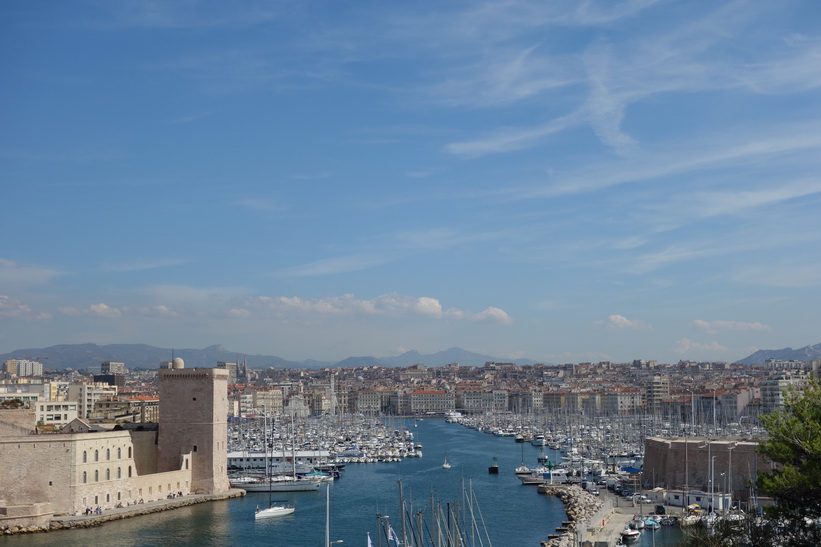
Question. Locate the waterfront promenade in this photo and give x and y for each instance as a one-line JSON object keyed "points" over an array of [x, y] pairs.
{"points": [[615, 520], [593, 521], [66, 522]]}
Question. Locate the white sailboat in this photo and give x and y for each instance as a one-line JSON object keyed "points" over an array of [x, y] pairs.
{"points": [[275, 509], [446, 465]]}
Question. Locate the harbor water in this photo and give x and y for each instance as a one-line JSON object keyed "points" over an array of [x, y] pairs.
{"points": [[513, 515]]}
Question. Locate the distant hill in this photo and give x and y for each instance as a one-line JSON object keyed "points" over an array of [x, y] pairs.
{"points": [[89, 357], [807, 353], [451, 355]]}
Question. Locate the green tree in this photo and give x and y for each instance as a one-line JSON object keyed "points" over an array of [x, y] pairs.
{"points": [[794, 445], [794, 482]]}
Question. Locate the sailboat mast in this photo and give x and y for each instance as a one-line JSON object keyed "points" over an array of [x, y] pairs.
{"points": [[402, 514], [328, 515]]}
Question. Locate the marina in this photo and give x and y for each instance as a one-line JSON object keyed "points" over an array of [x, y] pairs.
{"points": [[364, 501]]}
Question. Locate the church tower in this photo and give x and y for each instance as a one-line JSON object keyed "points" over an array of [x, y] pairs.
{"points": [[194, 420]]}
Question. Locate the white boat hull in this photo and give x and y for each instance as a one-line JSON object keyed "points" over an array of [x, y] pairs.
{"points": [[274, 511]]}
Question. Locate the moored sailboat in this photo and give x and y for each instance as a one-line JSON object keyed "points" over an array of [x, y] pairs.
{"points": [[278, 509]]}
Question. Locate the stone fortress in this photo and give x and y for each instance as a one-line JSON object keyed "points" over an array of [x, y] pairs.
{"points": [[48, 475]]}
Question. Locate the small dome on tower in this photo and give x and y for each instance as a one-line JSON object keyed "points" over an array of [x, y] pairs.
{"points": [[177, 363]]}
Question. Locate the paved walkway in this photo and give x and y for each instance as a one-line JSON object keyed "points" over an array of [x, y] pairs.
{"points": [[614, 522], [76, 521]]}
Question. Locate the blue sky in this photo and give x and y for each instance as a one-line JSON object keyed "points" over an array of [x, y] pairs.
{"points": [[565, 181]]}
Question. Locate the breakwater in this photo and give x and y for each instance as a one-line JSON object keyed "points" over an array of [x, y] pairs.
{"points": [[89, 521]]}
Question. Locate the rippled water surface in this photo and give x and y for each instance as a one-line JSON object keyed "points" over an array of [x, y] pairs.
{"points": [[514, 515]]}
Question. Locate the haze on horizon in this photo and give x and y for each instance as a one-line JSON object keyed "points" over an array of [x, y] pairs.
{"points": [[563, 181]]}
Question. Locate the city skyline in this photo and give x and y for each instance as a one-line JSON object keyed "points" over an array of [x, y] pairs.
{"points": [[557, 181]]}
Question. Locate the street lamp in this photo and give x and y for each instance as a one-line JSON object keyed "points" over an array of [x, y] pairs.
{"points": [[730, 448], [712, 485]]}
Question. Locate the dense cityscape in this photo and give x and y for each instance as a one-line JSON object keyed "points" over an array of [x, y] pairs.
{"points": [[711, 394], [648, 432]]}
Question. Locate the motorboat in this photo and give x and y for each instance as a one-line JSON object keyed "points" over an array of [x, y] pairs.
{"points": [[629, 535], [494, 469], [652, 524]]}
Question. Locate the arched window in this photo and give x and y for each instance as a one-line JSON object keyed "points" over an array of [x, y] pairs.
{"points": [[96, 475], [119, 472], [107, 453], [129, 452], [129, 470], [85, 456], [85, 477], [119, 453], [108, 474], [96, 455]]}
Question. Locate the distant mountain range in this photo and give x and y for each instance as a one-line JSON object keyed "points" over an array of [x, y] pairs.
{"points": [[807, 353], [89, 356]]}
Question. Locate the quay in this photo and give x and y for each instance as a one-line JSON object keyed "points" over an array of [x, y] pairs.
{"points": [[68, 522], [593, 521]]}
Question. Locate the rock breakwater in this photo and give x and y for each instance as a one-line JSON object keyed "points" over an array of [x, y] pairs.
{"points": [[580, 507]]}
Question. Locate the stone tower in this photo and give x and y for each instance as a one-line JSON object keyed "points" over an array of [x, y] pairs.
{"points": [[194, 420]]}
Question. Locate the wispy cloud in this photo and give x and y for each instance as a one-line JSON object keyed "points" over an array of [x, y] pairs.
{"points": [[142, 265], [14, 274], [11, 308], [100, 309], [391, 247], [261, 204], [337, 265], [186, 295], [388, 305], [685, 345], [508, 139], [620, 322], [796, 275], [184, 14], [714, 327]]}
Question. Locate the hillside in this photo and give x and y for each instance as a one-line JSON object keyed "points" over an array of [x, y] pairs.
{"points": [[89, 356], [807, 353]]}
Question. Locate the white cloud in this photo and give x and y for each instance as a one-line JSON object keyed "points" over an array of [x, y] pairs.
{"points": [[685, 345], [19, 275], [492, 315], [388, 305], [158, 311], [621, 322], [101, 309], [713, 327], [14, 309]]}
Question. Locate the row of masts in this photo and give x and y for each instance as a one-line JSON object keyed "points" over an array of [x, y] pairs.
{"points": [[454, 524]]}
